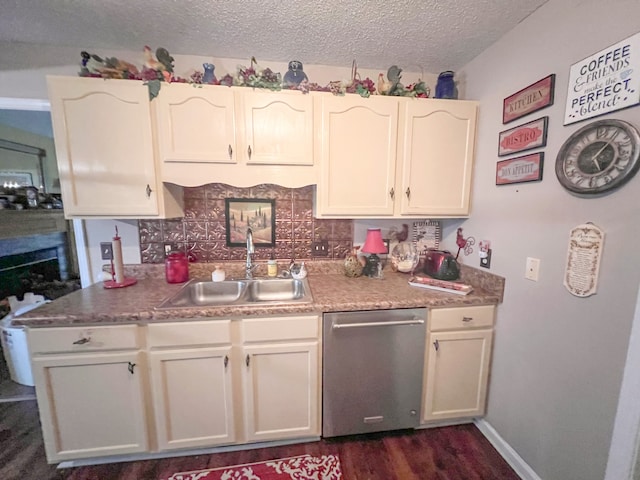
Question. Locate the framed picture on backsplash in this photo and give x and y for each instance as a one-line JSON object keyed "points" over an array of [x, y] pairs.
{"points": [[255, 213]]}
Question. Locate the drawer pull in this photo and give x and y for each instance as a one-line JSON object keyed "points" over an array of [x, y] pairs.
{"points": [[230, 152], [82, 341], [148, 191], [226, 361], [408, 193], [392, 193], [131, 367], [247, 360], [436, 345], [467, 319], [249, 152]]}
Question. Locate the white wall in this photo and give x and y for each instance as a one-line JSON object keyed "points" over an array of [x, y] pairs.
{"points": [[558, 359]]}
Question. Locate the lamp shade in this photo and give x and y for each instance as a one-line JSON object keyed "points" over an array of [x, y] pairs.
{"points": [[374, 243]]}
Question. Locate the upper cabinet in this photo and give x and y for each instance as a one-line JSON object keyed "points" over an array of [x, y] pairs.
{"points": [[357, 155], [237, 136], [437, 139], [394, 157], [104, 146]]}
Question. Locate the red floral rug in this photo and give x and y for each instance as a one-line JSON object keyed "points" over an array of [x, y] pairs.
{"points": [[305, 467]]}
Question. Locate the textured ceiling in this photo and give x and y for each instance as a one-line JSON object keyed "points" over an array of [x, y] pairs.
{"points": [[431, 35]]}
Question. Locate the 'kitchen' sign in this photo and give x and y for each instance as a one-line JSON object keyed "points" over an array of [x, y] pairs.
{"points": [[604, 82]]}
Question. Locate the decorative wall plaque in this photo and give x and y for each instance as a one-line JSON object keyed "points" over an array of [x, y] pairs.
{"points": [[583, 260]]}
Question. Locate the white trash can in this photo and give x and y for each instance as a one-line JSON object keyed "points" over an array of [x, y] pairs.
{"points": [[14, 339]]}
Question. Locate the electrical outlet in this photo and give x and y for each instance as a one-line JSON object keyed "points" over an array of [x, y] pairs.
{"points": [[485, 261], [320, 249], [532, 271], [106, 250]]}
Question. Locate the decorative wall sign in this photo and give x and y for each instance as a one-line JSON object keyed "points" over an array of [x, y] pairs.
{"points": [[530, 99], [527, 168], [604, 82], [259, 214], [426, 234], [583, 260], [525, 137]]}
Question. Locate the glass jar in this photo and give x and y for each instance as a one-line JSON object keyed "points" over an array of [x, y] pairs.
{"points": [[404, 257], [176, 267]]}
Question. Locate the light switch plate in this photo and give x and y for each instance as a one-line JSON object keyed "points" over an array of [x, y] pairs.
{"points": [[532, 271], [106, 250]]}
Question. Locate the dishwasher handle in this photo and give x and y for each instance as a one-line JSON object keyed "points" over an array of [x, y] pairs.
{"points": [[415, 321]]}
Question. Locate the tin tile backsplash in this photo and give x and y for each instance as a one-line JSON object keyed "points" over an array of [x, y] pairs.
{"points": [[202, 231]]}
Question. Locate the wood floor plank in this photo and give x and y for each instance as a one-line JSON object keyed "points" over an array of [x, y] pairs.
{"points": [[447, 453]]}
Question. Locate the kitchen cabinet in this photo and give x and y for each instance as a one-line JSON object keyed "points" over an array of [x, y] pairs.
{"points": [[89, 386], [191, 383], [437, 139], [457, 361], [357, 155], [394, 157], [281, 377], [105, 150], [238, 136]]}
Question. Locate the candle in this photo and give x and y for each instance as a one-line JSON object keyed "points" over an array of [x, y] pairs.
{"points": [[118, 265]]}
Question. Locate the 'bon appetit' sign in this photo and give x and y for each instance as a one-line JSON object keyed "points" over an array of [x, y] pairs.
{"points": [[604, 82]]}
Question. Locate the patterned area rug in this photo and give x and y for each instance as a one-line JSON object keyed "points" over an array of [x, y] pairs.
{"points": [[305, 467]]}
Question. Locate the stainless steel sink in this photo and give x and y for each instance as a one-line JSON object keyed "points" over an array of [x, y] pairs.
{"points": [[239, 292]]}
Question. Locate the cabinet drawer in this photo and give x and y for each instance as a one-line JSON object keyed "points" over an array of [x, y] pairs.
{"points": [[461, 317], [83, 339], [282, 328], [177, 334]]}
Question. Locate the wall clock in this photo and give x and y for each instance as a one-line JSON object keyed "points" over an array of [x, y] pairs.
{"points": [[599, 157]]}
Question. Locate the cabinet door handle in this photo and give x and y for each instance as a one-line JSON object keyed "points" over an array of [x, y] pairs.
{"points": [[226, 361], [131, 367], [249, 151], [467, 319], [230, 152], [247, 360], [82, 341], [392, 193], [148, 190], [436, 345], [408, 193]]}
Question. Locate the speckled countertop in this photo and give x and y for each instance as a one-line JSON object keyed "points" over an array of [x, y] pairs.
{"points": [[332, 291]]}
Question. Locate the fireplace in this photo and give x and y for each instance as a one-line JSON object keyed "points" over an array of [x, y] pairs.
{"points": [[35, 256]]}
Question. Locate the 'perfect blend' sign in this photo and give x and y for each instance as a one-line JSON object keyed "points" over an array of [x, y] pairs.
{"points": [[604, 82]]}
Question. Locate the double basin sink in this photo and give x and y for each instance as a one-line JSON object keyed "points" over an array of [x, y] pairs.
{"points": [[259, 291]]}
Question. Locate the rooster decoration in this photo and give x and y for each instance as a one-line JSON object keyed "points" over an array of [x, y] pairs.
{"points": [[464, 243]]}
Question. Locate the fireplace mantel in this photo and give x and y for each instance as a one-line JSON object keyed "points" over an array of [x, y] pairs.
{"points": [[23, 223]]}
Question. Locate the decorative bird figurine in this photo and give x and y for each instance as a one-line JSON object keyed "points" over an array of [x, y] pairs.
{"points": [[150, 61], [464, 243], [399, 236], [383, 85], [393, 74], [162, 54]]}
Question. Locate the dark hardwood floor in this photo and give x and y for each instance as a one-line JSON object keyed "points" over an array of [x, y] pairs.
{"points": [[446, 453]]}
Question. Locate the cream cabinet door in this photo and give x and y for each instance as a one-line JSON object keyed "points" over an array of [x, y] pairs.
{"points": [[196, 125], [91, 405], [457, 372], [281, 388], [278, 128], [437, 152], [192, 397], [357, 155], [103, 136]]}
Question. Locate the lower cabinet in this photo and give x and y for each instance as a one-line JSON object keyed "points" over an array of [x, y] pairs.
{"points": [[457, 364], [91, 400], [191, 383]]}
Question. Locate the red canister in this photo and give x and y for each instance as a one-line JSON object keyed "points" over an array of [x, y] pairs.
{"points": [[176, 267]]}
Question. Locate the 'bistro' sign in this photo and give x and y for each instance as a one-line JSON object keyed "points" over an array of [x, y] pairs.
{"points": [[604, 82]]}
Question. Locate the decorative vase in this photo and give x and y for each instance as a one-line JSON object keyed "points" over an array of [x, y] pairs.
{"points": [[446, 86], [404, 257], [208, 77], [352, 265]]}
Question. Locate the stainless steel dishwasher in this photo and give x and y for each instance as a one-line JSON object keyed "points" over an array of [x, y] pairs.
{"points": [[372, 370]]}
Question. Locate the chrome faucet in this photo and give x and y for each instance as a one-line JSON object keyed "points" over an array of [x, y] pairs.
{"points": [[248, 271]]}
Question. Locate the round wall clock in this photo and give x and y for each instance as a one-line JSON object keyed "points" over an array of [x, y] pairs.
{"points": [[599, 157]]}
